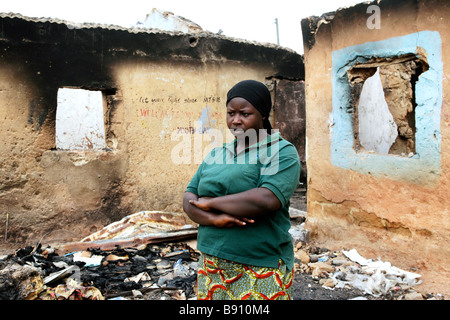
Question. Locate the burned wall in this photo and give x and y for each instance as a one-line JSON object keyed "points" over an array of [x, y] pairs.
{"points": [[378, 168], [290, 117], [155, 89]]}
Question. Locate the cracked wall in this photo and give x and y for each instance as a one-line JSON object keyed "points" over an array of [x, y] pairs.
{"points": [[395, 203]]}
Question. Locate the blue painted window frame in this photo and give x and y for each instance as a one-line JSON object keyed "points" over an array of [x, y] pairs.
{"points": [[426, 163]]}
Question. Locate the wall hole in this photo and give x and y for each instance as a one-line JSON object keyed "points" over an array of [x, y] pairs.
{"points": [[193, 41], [383, 104], [80, 119]]}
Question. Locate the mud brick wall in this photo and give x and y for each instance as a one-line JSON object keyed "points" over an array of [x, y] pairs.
{"points": [[394, 204], [157, 87]]}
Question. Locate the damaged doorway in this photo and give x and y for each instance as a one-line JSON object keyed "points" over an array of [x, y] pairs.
{"points": [[383, 95]]}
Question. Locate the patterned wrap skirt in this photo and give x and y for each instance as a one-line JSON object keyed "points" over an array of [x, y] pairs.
{"points": [[220, 279]]}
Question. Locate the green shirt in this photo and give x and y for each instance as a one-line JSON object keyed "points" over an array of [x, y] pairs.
{"points": [[273, 164]]}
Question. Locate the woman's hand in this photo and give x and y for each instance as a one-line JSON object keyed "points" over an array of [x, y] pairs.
{"points": [[224, 220], [203, 203]]}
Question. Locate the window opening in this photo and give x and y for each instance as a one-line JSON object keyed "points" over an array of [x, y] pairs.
{"points": [[80, 121], [383, 104]]}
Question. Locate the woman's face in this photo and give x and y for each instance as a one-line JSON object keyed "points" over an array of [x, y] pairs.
{"points": [[242, 115]]}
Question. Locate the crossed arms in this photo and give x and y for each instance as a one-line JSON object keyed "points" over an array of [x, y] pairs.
{"points": [[231, 210]]}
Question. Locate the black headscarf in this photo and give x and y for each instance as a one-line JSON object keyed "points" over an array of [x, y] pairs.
{"points": [[257, 94]]}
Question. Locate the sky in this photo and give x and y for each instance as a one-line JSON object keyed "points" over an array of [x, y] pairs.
{"points": [[252, 20]]}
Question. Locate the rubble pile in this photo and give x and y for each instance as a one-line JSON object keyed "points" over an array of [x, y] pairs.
{"points": [[349, 270], [151, 255], [158, 271], [142, 256]]}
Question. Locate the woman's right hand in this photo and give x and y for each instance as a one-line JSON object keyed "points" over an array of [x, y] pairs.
{"points": [[224, 220]]}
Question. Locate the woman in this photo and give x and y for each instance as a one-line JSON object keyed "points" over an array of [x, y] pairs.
{"points": [[239, 196]]}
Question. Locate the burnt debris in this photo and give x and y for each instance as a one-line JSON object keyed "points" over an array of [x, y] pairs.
{"points": [[156, 271]]}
